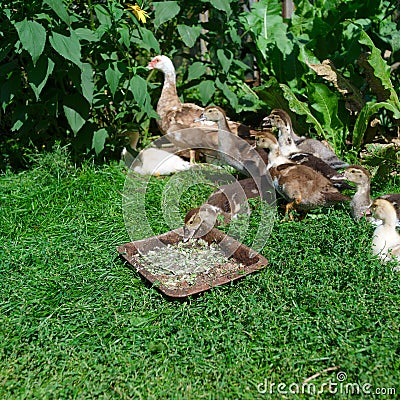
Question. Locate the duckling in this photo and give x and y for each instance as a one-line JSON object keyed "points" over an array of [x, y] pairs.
{"points": [[361, 200], [224, 204], [300, 185], [289, 149], [152, 160], [386, 240], [231, 149], [309, 145]]}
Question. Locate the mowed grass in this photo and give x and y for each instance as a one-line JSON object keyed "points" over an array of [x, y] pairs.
{"points": [[76, 323]]}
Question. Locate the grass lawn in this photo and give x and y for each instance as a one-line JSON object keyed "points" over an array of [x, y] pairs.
{"points": [[76, 323]]}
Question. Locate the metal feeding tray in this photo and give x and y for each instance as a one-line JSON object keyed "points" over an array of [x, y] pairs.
{"points": [[238, 261]]}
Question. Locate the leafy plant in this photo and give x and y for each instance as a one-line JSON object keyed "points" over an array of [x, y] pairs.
{"points": [[313, 65], [73, 72]]}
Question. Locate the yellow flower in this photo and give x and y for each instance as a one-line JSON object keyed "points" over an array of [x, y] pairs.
{"points": [[140, 14]]}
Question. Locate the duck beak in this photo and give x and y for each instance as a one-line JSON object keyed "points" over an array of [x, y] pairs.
{"points": [[267, 123], [201, 118], [188, 234], [150, 66]]}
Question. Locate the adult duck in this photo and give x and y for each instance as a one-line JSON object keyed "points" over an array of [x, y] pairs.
{"points": [[175, 115]]}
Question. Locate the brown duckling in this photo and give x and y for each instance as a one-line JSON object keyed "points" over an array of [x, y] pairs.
{"points": [[232, 150], [224, 204], [289, 149], [300, 185], [309, 145], [361, 200], [386, 240]]}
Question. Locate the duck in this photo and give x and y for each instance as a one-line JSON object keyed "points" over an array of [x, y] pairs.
{"points": [[226, 203], [361, 201], [301, 186], [289, 149], [308, 145], [235, 151], [175, 115], [386, 240], [152, 160]]}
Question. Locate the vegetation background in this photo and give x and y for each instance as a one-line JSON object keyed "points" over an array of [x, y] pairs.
{"points": [[76, 323], [75, 72]]}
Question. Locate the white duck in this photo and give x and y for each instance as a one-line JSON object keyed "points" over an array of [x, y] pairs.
{"points": [[152, 160], [386, 240], [175, 115]]}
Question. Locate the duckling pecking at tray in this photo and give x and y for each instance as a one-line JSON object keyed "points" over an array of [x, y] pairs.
{"points": [[386, 240], [224, 204], [308, 145], [361, 200], [301, 186]]}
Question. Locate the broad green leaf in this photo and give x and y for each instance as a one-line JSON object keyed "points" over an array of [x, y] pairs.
{"points": [[222, 5], [325, 102], [301, 108], [87, 34], [272, 94], [149, 41], [380, 68], [196, 70], [76, 110], [113, 76], [32, 36], [39, 73], [99, 140], [206, 91], [103, 16], [125, 36], [87, 83], [165, 11], [364, 117], [59, 8], [138, 87], [224, 60], [67, 46], [232, 98], [189, 34], [75, 120]]}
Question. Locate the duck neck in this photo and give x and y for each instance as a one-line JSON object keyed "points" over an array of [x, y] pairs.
{"points": [[169, 95], [291, 131], [223, 124], [391, 221], [286, 142], [275, 158], [362, 195]]}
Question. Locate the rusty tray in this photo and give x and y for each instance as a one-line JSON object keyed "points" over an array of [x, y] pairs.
{"points": [[249, 259]]}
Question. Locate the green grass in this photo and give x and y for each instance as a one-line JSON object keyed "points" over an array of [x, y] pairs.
{"points": [[76, 323]]}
